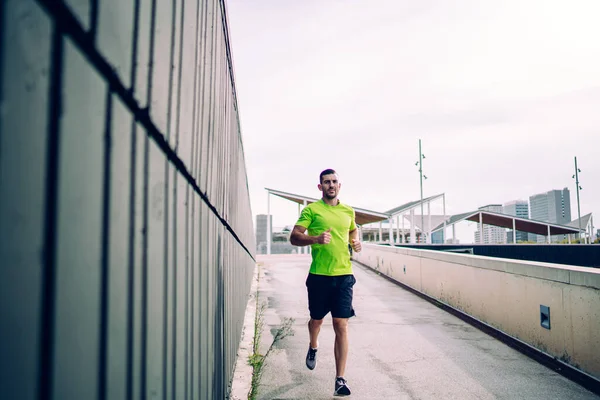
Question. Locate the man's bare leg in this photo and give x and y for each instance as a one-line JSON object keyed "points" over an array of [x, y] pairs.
{"points": [[314, 327], [340, 326]]}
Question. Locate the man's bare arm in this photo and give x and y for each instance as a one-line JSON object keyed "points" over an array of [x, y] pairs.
{"points": [[354, 242], [298, 237]]}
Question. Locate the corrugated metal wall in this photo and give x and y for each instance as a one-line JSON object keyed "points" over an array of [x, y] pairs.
{"points": [[126, 235]]}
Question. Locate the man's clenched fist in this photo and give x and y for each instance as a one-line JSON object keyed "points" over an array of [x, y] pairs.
{"points": [[324, 237]]}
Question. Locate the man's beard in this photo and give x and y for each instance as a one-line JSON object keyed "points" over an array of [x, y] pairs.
{"points": [[330, 196]]}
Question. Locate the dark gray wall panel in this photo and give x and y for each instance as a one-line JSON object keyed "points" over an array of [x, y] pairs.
{"points": [[25, 35], [136, 307], [118, 251], [160, 63], [79, 251], [115, 34], [174, 79], [142, 66], [188, 75], [155, 296], [181, 264]]}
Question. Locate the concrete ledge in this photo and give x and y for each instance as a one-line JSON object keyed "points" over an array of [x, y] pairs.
{"points": [[555, 272], [507, 295]]}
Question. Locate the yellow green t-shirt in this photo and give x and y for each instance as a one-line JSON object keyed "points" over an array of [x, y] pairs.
{"points": [[333, 258]]}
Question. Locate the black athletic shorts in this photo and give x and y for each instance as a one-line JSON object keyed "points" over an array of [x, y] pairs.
{"points": [[330, 294]]}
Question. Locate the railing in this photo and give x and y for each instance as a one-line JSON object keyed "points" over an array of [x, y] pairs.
{"points": [[126, 235]]}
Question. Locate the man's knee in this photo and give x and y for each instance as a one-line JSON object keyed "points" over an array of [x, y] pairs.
{"points": [[340, 325], [315, 323]]}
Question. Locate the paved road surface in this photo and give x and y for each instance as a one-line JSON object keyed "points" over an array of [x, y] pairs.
{"points": [[401, 347]]}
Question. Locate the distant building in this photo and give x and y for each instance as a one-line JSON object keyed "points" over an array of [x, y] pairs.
{"points": [[491, 234], [277, 248], [280, 237], [437, 237], [261, 232], [554, 207], [517, 208]]}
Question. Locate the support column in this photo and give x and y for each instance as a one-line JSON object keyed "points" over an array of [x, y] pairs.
{"points": [[403, 233], [380, 232], [398, 229], [549, 238], [268, 222], [569, 238], [413, 238], [429, 223], [481, 240], [514, 232], [453, 233], [391, 228], [445, 218]]}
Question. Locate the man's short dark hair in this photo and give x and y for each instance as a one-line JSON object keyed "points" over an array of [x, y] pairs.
{"points": [[328, 171]]}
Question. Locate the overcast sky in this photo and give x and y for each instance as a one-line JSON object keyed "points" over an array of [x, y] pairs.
{"points": [[503, 95]]}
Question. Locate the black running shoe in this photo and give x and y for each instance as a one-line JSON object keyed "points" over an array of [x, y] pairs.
{"points": [[341, 387], [311, 358]]}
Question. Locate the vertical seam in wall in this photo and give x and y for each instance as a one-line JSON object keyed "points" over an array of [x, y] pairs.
{"points": [[134, 49], [179, 76], [131, 261], [144, 331], [144, 273], [166, 207], [165, 288], [104, 270], [48, 298], [174, 293], [210, 118], [175, 216], [191, 232], [132, 203], [193, 131], [93, 20], [201, 97], [189, 262]]}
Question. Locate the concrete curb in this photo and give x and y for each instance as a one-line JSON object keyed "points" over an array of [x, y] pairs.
{"points": [[242, 373]]}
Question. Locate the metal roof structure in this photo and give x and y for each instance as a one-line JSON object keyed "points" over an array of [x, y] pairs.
{"points": [[363, 216], [585, 220], [506, 221], [435, 221], [411, 204]]}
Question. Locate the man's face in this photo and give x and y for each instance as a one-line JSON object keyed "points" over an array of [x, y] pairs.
{"points": [[330, 186]]}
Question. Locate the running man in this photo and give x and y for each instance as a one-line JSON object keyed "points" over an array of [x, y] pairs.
{"points": [[331, 227]]}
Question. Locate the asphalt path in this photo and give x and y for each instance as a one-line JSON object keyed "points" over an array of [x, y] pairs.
{"points": [[401, 347]]}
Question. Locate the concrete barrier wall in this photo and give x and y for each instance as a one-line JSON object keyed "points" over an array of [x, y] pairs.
{"points": [[507, 295]]}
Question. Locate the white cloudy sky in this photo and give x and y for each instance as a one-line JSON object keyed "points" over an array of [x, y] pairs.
{"points": [[503, 95]]}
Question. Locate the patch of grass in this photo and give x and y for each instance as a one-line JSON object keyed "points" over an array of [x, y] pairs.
{"points": [[257, 360]]}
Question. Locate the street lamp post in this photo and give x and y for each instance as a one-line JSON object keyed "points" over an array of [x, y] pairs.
{"points": [[420, 164], [576, 176]]}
